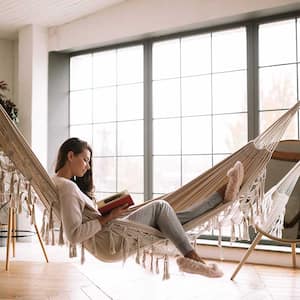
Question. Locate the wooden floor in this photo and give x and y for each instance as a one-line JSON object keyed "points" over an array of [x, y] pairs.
{"points": [[30, 277]]}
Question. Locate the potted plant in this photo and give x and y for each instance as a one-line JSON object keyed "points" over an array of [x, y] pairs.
{"points": [[7, 104], [12, 111]]}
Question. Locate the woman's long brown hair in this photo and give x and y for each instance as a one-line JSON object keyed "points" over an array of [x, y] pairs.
{"points": [[77, 146]]}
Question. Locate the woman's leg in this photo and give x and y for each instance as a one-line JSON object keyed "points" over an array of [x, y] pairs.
{"points": [[159, 214], [214, 200], [225, 194]]}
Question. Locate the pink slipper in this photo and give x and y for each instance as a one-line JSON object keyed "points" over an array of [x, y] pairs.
{"points": [[236, 177], [196, 267]]}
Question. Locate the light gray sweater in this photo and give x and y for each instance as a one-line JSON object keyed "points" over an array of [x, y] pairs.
{"points": [[77, 212]]}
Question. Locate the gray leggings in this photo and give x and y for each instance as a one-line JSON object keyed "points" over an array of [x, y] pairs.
{"points": [[160, 215]]}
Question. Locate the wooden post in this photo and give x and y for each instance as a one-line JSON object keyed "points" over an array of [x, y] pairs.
{"points": [[293, 245], [254, 243], [9, 229]]}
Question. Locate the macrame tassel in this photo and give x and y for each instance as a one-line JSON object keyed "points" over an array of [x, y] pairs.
{"points": [[43, 223], [32, 215], [52, 237], [47, 234], [12, 183], [194, 243], [220, 237], [29, 194], [72, 250], [18, 187], [151, 259], [157, 265], [246, 230], [240, 232], [20, 206], [94, 244], [125, 249], [61, 235], [166, 268], [112, 248], [2, 186], [144, 259], [233, 237], [51, 217], [138, 250], [82, 260]]}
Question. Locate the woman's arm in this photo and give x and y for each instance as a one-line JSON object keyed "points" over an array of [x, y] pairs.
{"points": [[71, 208]]}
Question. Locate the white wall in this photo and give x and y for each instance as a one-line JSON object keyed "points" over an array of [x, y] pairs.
{"points": [[33, 87], [135, 19], [7, 65]]}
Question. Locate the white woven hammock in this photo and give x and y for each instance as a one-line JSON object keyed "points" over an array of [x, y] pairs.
{"points": [[24, 180]]}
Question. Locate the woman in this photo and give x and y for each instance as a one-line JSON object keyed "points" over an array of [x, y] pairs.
{"points": [[83, 223]]}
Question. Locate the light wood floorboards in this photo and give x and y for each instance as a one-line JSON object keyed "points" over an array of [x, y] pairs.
{"points": [[30, 277]]}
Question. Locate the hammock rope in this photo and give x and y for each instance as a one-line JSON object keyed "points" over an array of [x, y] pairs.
{"points": [[31, 181]]}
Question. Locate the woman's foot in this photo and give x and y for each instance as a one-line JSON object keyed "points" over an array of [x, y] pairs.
{"points": [[235, 179], [194, 256], [189, 265]]}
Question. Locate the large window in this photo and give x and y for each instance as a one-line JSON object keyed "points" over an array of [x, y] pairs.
{"points": [[199, 104], [163, 111], [106, 109], [278, 72]]}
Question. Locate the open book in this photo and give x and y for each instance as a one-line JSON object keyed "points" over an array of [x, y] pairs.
{"points": [[107, 204]]}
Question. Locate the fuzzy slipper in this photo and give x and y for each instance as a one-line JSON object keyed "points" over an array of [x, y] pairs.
{"points": [[195, 267], [236, 177]]}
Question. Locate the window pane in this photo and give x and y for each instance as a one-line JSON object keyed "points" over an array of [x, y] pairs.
{"points": [[81, 107], [104, 139], [230, 92], [229, 50], [130, 138], [277, 87], [196, 55], [218, 158], [138, 198], [105, 174], [130, 102], [194, 165], [130, 65], [202, 144], [166, 59], [166, 98], [104, 108], [268, 118], [104, 68], [84, 132], [81, 72], [229, 132], [131, 174], [166, 173], [196, 95], [166, 136], [277, 43], [298, 38]]}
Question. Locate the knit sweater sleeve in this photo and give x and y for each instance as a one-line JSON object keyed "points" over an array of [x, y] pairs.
{"points": [[71, 209]]}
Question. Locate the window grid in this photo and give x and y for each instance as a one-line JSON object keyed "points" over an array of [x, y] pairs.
{"points": [[253, 94]]}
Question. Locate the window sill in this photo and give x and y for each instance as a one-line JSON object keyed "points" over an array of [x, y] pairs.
{"points": [[262, 254]]}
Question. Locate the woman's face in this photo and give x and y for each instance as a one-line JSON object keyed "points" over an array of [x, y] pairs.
{"points": [[79, 163]]}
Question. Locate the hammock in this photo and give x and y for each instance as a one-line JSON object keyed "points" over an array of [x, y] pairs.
{"points": [[23, 178]]}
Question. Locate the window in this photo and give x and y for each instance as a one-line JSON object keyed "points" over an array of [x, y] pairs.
{"points": [[278, 72], [206, 94], [199, 104], [106, 109]]}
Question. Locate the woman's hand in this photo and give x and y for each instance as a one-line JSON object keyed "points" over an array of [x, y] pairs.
{"points": [[119, 211], [114, 214]]}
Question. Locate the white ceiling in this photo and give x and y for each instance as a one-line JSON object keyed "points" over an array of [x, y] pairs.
{"points": [[15, 14]]}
